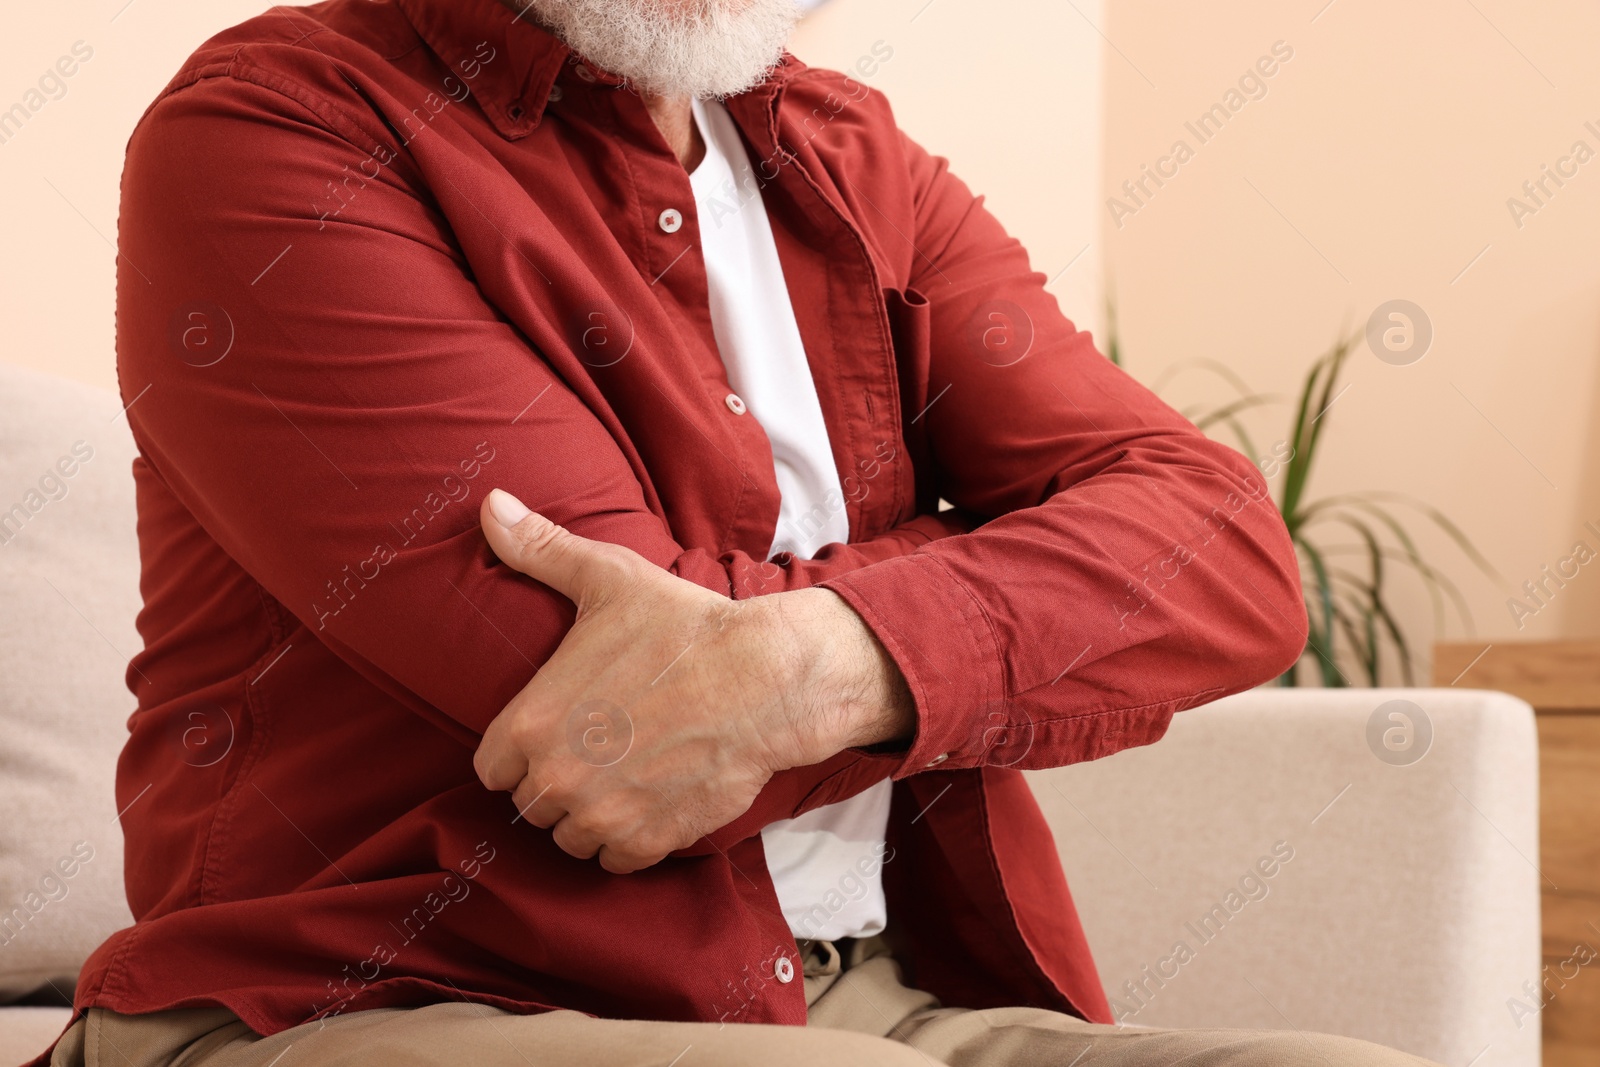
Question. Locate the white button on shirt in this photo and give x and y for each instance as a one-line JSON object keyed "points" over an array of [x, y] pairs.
{"points": [[671, 220], [826, 865]]}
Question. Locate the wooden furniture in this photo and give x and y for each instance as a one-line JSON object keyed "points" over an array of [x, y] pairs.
{"points": [[1561, 679]]}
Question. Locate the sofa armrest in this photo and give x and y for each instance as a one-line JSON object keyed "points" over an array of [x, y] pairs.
{"points": [[1281, 859]]}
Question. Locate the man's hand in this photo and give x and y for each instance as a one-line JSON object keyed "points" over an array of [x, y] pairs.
{"points": [[667, 707]]}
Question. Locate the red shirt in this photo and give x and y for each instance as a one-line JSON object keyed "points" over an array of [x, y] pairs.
{"points": [[380, 256]]}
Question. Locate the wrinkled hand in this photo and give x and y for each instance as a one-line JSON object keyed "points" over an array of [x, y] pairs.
{"points": [[667, 706]]}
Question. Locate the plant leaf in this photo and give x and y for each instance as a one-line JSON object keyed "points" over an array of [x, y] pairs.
{"points": [[1220, 369], [1320, 638], [1394, 526], [1232, 408], [1439, 518]]}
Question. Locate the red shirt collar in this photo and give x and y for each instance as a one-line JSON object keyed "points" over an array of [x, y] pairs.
{"points": [[514, 86], [500, 54]]}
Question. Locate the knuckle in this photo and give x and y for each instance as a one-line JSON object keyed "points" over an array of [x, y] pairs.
{"points": [[551, 792], [615, 558], [630, 857], [667, 840], [619, 863], [523, 732], [639, 842], [612, 563], [595, 822], [572, 841], [532, 535], [524, 794]]}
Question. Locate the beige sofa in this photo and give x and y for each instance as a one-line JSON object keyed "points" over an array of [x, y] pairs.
{"points": [[1401, 904]]}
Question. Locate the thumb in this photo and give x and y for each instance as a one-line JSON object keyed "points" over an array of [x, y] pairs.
{"points": [[528, 542]]}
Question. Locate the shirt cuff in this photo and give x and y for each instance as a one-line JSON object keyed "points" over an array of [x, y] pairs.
{"points": [[943, 642]]}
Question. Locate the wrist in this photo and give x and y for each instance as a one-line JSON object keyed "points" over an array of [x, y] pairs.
{"points": [[840, 687]]}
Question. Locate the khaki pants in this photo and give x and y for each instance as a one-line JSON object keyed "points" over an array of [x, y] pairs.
{"points": [[861, 1015]]}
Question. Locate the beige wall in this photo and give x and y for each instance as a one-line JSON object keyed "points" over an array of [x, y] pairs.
{"points": [[1377, 166], [1012, 99], [58, 174]]}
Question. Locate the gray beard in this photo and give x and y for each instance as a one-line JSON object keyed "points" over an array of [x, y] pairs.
{"points": [[709, 49]]}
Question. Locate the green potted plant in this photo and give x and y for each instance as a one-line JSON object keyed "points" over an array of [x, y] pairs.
{"points": [[1349, 545]]}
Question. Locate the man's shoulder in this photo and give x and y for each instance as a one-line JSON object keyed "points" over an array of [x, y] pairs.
{"points": [[333, 29], [813, 87], [837, 113], [303, 53]]}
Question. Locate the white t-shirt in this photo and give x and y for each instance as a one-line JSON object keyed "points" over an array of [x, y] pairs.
{"points": [[827, 864]]}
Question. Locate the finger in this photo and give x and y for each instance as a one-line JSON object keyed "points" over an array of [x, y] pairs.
{"points": [[576, 841], [500, 762], [536, 804], [528, 542], [620, 859]]}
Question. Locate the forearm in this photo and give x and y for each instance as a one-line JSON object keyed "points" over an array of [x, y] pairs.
{"points": [[850, 691], [727, 715], [850, 695], [1067, 631], [1131, 567]]}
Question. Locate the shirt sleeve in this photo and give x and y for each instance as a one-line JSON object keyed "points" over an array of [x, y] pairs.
{"points": [[329, 394], [1131, 567]]}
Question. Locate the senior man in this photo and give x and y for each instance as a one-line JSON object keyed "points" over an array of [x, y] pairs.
{"points": [[720, 339]]}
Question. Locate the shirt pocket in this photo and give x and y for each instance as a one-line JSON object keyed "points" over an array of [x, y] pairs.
{"points": [[910, 332]]}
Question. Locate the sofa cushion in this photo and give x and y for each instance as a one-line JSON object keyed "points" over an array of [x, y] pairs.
{"points": [[1273, 862], [26, 1032], [68, 597]]}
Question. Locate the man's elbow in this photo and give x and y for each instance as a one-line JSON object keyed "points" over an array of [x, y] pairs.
{"points": [[1278, 625], [1260, 570], [1283, 645]]}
